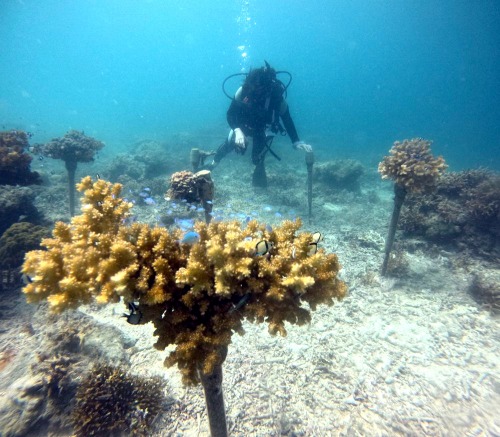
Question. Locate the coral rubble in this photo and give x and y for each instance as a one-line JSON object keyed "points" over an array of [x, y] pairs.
{"points": [[197, 294], [39, 402], [411, 165], [14, 161]]}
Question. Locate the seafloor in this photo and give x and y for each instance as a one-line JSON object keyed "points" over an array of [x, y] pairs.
{"points": [[409, 354]]}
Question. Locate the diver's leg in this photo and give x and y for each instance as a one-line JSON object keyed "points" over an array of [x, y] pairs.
{"points": [[259, 177], [223, 149]]}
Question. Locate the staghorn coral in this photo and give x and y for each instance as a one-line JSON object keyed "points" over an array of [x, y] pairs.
{"points": [[483, 202], [454, 184], [72, 148], [463, 210], [110, 401], [14, 161], [411, 165], [196, 295]]}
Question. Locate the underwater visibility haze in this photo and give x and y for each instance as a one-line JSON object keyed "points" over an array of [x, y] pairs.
{"points": [[316, 256], [365, 73]]}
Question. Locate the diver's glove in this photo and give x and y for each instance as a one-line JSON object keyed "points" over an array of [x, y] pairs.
{"points": [[239, 139], [300, 145]]}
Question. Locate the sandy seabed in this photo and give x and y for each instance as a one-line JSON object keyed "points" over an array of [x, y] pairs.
{"points": [[410, 354]]}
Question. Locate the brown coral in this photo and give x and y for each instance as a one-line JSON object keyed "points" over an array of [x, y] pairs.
{"points": [[412, 166], [14, 161], [19, 239], [110, 401], [196, 295], [72, 148], [463, 210], [193, 188]]}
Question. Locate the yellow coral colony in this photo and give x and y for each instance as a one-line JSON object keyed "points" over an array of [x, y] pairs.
{"points": [[411, 165], [192, 293]]}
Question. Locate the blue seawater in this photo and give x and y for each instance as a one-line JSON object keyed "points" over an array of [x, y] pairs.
{"points": [[365, 73]]}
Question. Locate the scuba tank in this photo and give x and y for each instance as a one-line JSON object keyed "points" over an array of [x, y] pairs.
{"points": [[273, 76]]}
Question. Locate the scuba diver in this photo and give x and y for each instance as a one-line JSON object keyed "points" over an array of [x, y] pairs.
{"points": [[255, 111]]}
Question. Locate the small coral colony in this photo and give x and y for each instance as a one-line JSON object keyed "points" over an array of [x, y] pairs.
{"points": [[198, 285]]}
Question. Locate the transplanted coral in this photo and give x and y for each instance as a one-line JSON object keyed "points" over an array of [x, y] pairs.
{"points": [[72, 148], [414, 170], [14, 159], [193, 188], [197, 294], [411, 165]]}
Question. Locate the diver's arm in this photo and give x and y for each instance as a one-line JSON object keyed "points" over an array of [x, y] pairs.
{"points": [[233, 120], [290, 128], [288, 122], [233, 112]]}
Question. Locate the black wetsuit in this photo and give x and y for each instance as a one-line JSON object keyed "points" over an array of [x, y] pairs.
{"points": [[254, 115]]}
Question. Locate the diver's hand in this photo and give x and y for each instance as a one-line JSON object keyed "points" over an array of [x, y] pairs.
{"points": [[239, 139], [300, 145]]}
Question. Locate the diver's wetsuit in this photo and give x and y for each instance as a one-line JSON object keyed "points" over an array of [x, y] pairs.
{"points": [[254, 115]]}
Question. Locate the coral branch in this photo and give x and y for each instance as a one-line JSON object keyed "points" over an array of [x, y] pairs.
{"points": [[412, 165], [192, 293]]}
